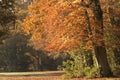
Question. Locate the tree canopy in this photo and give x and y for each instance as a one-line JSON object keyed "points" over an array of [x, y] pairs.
{"points": [[63, 25], [57, 25]]}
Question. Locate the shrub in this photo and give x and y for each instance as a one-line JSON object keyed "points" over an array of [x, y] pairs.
{"points": [[76, 66]]}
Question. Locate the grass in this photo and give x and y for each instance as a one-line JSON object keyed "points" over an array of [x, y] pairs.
{"points": [[51, 78]]}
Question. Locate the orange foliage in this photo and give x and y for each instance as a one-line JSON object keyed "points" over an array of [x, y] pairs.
{"points": [[55, 24], [60, 25]]}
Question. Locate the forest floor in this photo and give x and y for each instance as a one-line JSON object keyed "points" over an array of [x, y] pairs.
{"points": [[48, 75]]}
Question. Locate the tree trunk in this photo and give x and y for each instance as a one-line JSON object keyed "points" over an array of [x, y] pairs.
{"points": [[89, 55], [101, 56], [100, 50]]}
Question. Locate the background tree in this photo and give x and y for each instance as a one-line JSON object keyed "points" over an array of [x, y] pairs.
{"points": [[111, 19], [7, 15], [16, 55], [114, 20]]}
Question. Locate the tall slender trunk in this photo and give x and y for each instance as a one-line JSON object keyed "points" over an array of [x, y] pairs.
{"points": [[89, 32], [100, 50]]}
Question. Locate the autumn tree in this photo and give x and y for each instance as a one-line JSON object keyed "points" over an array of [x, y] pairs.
{"points": [[63, 25], [100, 50]]}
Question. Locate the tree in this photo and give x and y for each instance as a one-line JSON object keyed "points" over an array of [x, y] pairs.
{"points": [[7, 14], [65, 25], [7, 17], [111, 22], [100, 50], [114, 21]]}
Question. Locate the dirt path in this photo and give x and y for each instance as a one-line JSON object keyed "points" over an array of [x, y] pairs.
{"points": [[45, 73], [48, 75]]}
